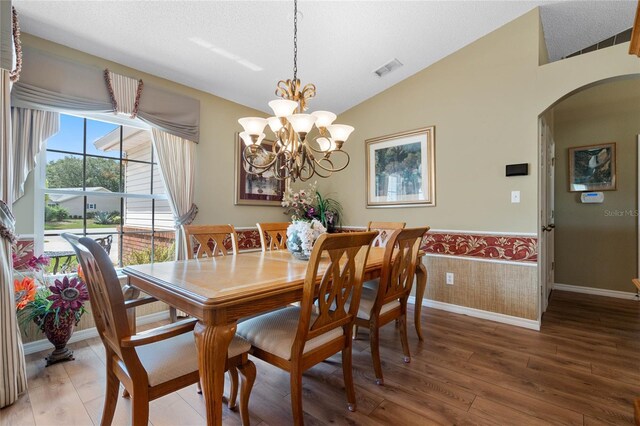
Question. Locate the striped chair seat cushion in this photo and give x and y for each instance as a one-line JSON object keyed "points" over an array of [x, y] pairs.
{"points": [[275, 332], [171, 358]]}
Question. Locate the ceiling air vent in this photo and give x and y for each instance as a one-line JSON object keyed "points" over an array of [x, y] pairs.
{"points": [[394, 64]]}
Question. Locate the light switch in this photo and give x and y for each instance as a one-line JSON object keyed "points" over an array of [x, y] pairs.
{"points": [[515, 196]]}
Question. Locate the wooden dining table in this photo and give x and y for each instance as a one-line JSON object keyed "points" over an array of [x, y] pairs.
{"points": [[221, 290]]}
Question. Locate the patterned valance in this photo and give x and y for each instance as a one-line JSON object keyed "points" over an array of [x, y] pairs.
{"points": [[53, 83]]}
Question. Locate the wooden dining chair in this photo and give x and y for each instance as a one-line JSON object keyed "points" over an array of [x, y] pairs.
{"points": [[150, 364], [210, 240], [388, 300], [273, 236], [296, 338], [207, 241], [385, 229]]}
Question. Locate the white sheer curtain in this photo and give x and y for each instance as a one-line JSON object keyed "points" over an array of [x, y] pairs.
{"points": [[176, 157], [29, 129], [13, 377]]}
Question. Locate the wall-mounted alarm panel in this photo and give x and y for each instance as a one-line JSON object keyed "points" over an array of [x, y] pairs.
{"points": [[592, 197]]}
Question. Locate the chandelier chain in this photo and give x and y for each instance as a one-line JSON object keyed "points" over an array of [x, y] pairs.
{"points": [[295, 40]]}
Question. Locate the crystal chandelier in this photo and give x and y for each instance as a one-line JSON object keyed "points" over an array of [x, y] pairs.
{"points": [[298, 152]]}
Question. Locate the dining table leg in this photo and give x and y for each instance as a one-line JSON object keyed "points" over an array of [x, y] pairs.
{"points": [[213, 342], [421, 286]]}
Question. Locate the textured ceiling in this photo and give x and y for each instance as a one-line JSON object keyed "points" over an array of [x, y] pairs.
{"points": [[239, 49], [574, 25]]}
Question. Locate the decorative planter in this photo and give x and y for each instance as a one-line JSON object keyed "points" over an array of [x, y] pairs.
{"points": [[59, 334], [301, 236], [299, 255]]}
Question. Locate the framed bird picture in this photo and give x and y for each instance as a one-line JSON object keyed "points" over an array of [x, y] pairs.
{"points": [[592, 168]]}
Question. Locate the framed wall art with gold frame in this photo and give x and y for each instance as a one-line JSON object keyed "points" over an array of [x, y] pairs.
{"points": [[401, 169], [255, 190]]}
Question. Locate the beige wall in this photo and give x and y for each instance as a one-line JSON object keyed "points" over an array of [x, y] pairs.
{"points": [[595, 247], [484, 101], [214, 192]]}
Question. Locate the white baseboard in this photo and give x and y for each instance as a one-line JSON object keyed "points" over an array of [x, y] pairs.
{"points": [[596, 291], [45, 345], [479, 313]]}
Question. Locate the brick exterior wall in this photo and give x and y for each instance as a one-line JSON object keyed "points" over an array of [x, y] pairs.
{"points": [[132, 242]]}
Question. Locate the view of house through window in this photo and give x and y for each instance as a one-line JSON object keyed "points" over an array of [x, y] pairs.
{"points": [[101, 180]]}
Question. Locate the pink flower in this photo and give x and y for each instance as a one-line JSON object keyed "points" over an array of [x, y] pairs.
{"points": [[68, 294], [37, 262]]}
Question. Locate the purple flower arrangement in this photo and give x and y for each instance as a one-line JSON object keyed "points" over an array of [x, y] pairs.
{"points": [[309, 204]]}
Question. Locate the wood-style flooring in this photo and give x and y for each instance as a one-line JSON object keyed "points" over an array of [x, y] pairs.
{"points": [[583, 367]]}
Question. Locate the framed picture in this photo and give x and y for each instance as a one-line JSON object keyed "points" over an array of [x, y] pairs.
{"points": [[401, 169], [592, 168], [264, 190]]}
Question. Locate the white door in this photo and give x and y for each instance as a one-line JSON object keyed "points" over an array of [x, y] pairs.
{"points": [[547, 225]]}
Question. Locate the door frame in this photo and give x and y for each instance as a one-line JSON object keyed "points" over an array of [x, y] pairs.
{"points": [[545, 261]]}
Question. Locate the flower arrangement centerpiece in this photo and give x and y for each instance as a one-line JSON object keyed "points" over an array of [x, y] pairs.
{"points": [[308, 204], [56, 309], [301, 235]]}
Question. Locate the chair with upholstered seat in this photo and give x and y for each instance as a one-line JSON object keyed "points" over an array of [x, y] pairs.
{"points": [[384, 229], [207, 241], [273, 236], [387, 299], [150, 364], [296, 338]]}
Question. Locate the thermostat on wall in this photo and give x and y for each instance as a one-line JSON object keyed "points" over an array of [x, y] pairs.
{"points": [[592, 197]]}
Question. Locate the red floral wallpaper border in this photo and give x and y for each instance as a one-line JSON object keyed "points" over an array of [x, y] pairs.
{"points": [[495, 247], [513, 248]]}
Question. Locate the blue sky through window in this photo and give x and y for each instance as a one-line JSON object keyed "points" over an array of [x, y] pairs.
{"points": [[70, 137]]}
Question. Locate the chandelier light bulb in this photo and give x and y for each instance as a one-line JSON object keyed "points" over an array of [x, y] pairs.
{"points": [[302, 123], [248, 139], [253, 125], [274, 124], [323, 118], [283, 107], [340, 132], [324, 144]]}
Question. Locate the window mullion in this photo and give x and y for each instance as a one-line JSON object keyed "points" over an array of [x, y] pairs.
{"points": [[122, 189], [84, 176]]}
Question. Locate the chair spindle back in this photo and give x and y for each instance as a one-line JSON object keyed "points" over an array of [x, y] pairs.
{"points": [[399, 267], [217, 235], [341, 282], [273, 236], [385, 229]]}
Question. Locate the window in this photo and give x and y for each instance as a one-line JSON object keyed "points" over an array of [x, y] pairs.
{"points": [[101, 180]]}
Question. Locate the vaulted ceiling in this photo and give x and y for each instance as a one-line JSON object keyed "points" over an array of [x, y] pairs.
{"points": [[239, 49]]}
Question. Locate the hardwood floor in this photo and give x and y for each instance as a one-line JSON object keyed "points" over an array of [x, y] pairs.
{"points": [[583, 367]]}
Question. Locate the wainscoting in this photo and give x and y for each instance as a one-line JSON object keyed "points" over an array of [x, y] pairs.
{"points": [[500, 287]]}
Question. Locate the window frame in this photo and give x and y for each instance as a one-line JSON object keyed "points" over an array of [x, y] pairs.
{"points": [[40, 190]]}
